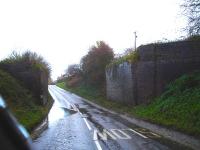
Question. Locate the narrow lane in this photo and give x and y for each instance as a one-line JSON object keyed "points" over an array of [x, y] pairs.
{"points": [[74, 124]]}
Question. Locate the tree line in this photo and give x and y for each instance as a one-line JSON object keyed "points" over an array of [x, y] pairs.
{"points": [[91, 70], [192, 12]]}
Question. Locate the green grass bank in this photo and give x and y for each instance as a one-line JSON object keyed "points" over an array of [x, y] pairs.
{"points": [[21, 103], [177, 108]]}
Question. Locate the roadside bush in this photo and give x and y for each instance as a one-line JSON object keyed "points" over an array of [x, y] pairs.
{"points": [[74, 81], [29, 58]]}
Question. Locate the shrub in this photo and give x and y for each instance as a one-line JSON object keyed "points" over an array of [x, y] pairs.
{"points": [[131, 57], [193, 38], [74, 81], [33, 59]]}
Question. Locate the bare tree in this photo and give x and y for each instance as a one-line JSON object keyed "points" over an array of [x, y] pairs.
{"points": [[192, 11], [73, 69]]}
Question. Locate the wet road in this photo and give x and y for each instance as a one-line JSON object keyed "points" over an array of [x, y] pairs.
{"points": [[76, 125]]}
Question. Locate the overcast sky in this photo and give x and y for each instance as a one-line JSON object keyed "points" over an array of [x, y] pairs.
{"points": [[63, 30]]}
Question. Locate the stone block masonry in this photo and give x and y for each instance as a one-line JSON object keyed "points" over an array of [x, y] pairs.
{"points": [[36, 80], [119, 83], [158, 65]]}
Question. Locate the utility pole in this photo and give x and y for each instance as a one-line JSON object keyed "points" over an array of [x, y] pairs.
{"points": [[135, 40]]}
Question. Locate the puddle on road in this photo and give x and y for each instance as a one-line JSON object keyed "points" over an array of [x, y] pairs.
{"points": [[57, 112], [93, 121]]}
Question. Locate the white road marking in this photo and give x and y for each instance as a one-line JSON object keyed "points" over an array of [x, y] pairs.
{"points": [[74, 107], [98, 145], [103, 135], [87, 124], [61, 92], [95, 138], [137, 133], [155, 134], [54, 96], [119, 136]]}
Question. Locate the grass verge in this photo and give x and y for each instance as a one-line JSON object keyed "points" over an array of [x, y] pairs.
{"points": [[177, 108], [31, 117], [94, 95], [21, 102]]}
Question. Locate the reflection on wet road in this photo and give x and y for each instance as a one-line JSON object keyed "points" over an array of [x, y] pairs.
{"points": [[76, 125]]}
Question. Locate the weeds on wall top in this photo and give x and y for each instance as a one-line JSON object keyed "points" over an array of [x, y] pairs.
{"points": [[131, 57]]}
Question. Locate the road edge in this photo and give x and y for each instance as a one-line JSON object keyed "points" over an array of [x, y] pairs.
{"points": [[39, 129], [43, 125], [170, 134]]}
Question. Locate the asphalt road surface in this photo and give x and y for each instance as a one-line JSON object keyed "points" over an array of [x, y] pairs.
{"points": [[76, 125]]}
